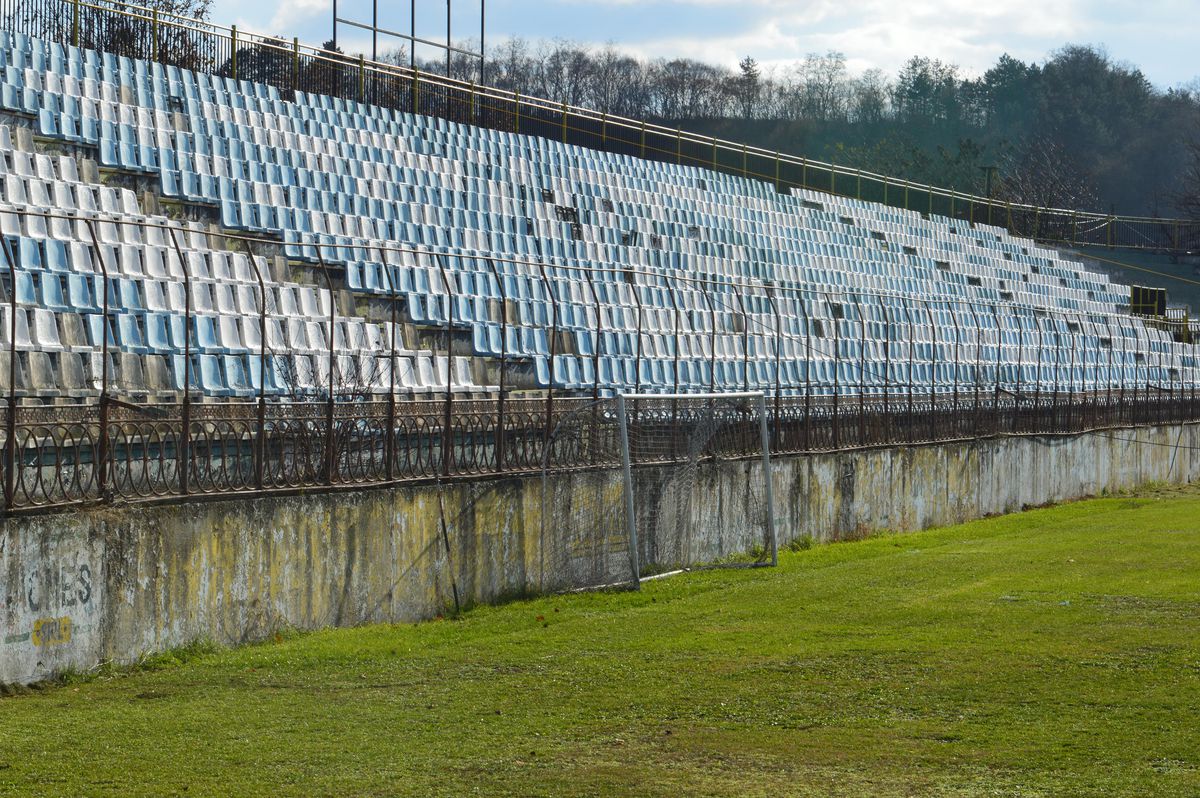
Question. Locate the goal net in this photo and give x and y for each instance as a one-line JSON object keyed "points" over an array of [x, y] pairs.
{"points": [[663, 483]]}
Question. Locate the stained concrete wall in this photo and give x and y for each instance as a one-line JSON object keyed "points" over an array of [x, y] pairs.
{"points": [[114, 584]]}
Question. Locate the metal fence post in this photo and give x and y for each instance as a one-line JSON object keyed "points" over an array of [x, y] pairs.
{"points": [[552, 301], [389, 442], [932, 371], [768, 494], [502, 386], [329, 461], [75, 22], [233, 51], [675, 348], [637, 357], [712, 336], [185, 410], [837, 369], [626, 467], [10, 439], [260, 434], [599, 337], [448, 413], [102, 444], [295, 64]]}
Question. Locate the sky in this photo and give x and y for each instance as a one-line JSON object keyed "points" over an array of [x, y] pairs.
{"points": [[1159, 36]]}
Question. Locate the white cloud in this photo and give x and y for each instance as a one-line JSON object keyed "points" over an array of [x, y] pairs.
{"points": [[1156, 34]]}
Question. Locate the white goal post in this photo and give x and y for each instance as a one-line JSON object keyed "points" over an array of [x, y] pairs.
{"points": [[679, 482]]}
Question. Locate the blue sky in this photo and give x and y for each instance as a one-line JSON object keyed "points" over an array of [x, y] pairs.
{"points": [[1160, 36]]}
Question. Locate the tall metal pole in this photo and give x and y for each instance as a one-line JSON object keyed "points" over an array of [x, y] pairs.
{"points": [[412, 36], [630, 517], [766, 461], [375, 30], [448, 38], [482, 48]]}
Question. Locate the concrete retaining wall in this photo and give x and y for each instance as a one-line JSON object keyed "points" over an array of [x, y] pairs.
{"points": [[114, 584]]}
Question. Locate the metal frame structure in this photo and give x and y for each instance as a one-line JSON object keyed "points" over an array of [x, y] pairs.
{"points": [[412, 38]]}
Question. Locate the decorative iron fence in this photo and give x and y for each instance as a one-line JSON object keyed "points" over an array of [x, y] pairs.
{"points": [[136, 32], [58, 457]]}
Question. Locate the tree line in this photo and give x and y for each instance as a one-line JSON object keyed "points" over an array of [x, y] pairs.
{"points": [[1078, 130]]}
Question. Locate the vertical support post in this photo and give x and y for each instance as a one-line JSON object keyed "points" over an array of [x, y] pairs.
{"points": [[362, 78], [675, 318], [154, 34], [912, 366], [626, 467], [553, 346], [102, 445], [637, 355], [712, 337], [416, 91], [599, 327], [777, 165], [10, 440], [448, 413], [808, 365], [862, 371], [233, 50], [778, 360], [295, 64], [678, 146], [1037, 375], [768, 495], [643, 139], [330, 454], [564, 123], [837, 376], [389, 442], [75, 22], [932, 374], [185, 432], [500, 432], [516, 112], [260, 431]]}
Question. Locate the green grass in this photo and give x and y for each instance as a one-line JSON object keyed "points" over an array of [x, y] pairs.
{"points": [[1055, 652]]}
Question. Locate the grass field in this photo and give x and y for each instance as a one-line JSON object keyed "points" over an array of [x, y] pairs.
{"points": [[1055, 652]]}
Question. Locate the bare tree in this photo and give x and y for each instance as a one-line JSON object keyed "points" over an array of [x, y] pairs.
{"points": [[1187, 200], [1045, 174]]}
